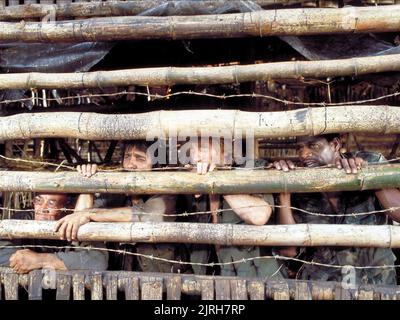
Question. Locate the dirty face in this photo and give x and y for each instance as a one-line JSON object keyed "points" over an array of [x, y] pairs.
{"points": [[135, 158], [317, 151], [48, 206]]}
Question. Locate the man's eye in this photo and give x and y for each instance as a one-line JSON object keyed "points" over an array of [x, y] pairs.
{"points": [[314, 146]]}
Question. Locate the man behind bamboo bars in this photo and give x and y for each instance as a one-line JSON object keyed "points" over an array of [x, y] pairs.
{"points": [[131, 208], [57, 255], [252, 209], [325, 150]]}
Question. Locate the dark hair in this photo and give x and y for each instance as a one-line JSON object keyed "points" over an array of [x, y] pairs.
{"points": [[142, 145], [330, 137]]}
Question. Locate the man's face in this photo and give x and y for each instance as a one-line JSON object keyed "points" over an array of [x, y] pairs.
{"points": [[136, 159], [316, 151], [48, 206]]}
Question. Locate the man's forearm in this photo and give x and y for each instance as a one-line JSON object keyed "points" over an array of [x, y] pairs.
{"points": [[285, 216], [49, 260], [124, 214], [251, 209], [390, 198]]}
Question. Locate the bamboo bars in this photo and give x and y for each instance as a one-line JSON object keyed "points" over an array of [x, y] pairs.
{"points": [[123, 8], [207, 287], [220, 123], [251, 24], [218, 182], [383, 236], [202, 75]]}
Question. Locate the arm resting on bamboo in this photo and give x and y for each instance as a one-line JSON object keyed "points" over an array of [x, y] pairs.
{"points": [[159, 205], [250, 208], [285, 216], [390, 198], [24, 261], [87, 258]]}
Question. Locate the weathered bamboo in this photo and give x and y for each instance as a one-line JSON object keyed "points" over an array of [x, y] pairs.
{"points": [[203, 75], [252, 24], [218, 182], [191, 284], [228, 123], [122, 8], [384, 236]]}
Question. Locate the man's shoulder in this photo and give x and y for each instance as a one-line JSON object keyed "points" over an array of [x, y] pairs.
{"points": [[23, 215]]}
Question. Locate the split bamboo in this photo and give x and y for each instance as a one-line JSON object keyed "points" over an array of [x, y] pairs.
{"points": [[218, 182], [251, 24], [202, 75], [384, 236], [219, 123]]}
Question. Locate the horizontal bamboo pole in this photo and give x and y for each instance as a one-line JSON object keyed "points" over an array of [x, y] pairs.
{"points": [[202, 75], [251, 24], [123, 8], [384, 236], [218, 182], [228, 123]]}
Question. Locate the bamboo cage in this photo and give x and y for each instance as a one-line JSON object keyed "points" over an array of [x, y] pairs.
{"points": [[219, 123], [218, 182], [278, 120], [122, 8], [110, 285], [304, 235], [255, 24], [204, 75]]}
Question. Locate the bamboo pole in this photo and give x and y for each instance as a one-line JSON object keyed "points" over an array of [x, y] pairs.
{"points": [[123, 8], [202, 75], [383, 236], [251, 24], [218, 182], [220, 123]]}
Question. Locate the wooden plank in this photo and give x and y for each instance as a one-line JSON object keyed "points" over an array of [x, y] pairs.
{"points": [[302, 292], [256, 290], [322, 291], [388, 294], [63, 287], [342, 293], [97, 287], [10, 286], [279, 290], [366, 292], [222, 289], [78, 286], [35, 285], [238, 289], [132, 288], [174, 288], [151, 290], [112, 287], [207, 289]]}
